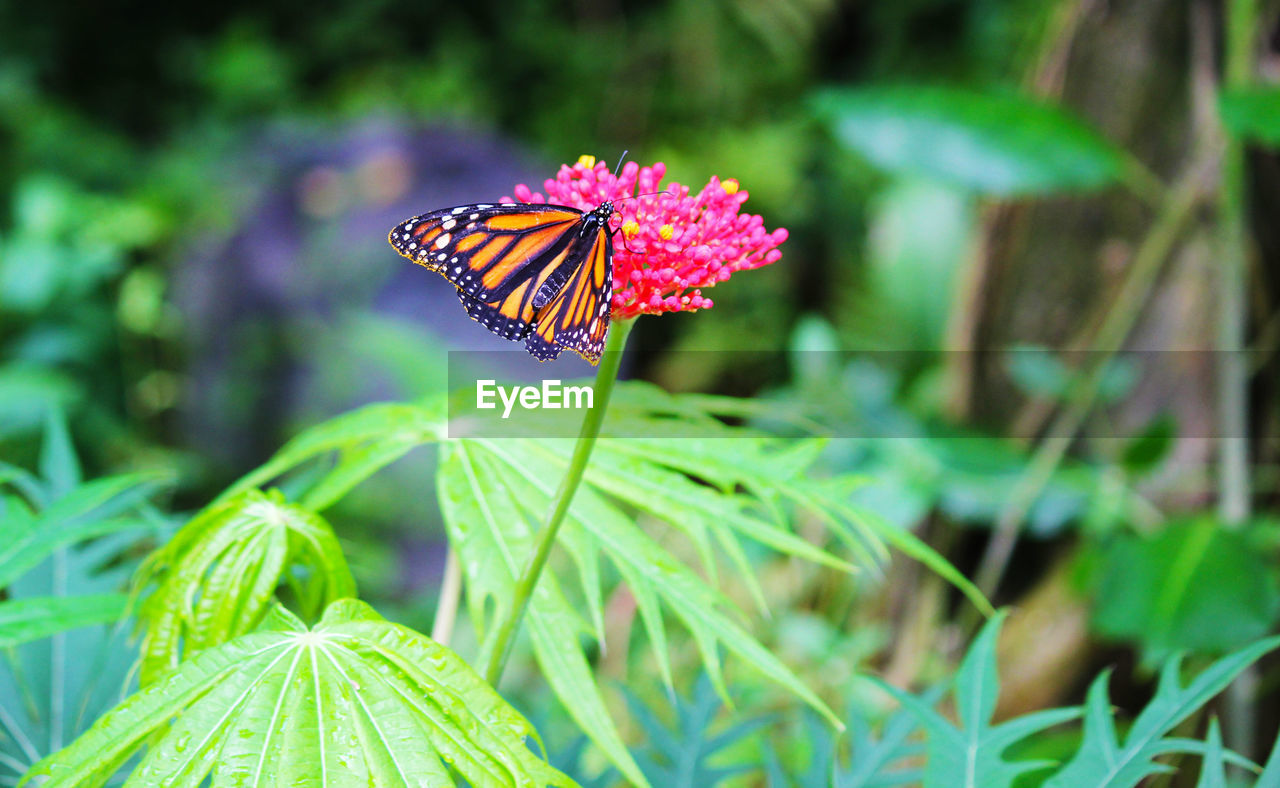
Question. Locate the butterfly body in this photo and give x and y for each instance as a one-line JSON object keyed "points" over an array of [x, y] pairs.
{"points": [[534, 272]]}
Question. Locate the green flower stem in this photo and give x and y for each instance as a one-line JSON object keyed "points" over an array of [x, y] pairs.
{"points": [[1235, 496], [450, 596], [606, 376]]}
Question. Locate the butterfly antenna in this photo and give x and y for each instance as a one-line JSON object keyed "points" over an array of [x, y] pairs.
{"points": [[646, 194], [621, 159]]}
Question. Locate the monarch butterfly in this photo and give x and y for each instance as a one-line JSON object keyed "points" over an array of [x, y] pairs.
{"points": [[534, 272]]}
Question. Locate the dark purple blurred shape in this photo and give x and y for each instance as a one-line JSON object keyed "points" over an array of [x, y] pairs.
{"points": [[309, 250]]}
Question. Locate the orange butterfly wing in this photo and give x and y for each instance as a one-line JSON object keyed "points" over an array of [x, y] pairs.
{"points": [[542, 273], [577, 318], [488, 251]]}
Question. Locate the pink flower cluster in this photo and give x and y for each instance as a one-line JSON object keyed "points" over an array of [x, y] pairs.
{"points": [[672, 244]]}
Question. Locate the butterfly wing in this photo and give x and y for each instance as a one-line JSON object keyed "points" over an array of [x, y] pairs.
{"points": [[577, 317], [489, 251], [510, 318], [542, 273]]}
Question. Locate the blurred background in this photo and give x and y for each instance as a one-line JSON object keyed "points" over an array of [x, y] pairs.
{"points": [[1022, 234]]}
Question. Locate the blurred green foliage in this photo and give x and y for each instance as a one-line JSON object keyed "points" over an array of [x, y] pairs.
{"points": [[989, 143], [880, 134], [1190, 587]]}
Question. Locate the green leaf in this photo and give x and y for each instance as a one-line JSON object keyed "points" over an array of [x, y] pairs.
{"points": [[892, 758], [1252, 114], [31, 542], [366, 440], [58, 462], [1104, 761], [972, 754], [1194, 585], [27, 390], [1213, 770], [22, 481], [878, 763], [716, 486], [1040, 372], [492, 537], [1145, 451], [651, 571], [1270, 777], [217, 576], [771, 474], [998, 144], [23, 620], [911, 546], [714, 491], [355, 701], [890, 310], [1037, 371], [62, 568], [82, 513], [681, 756]]}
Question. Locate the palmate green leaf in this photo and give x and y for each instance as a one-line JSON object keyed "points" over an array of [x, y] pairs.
{"points": [[67, 658], [364, 440], [774, 473], [681, 755], [768, 470], [490, 490], [883, 762], [1000, 144], [24, 620], [650, 571], [216, 578], [890, 759], [84, 512], [1104, 761], [715, 492], [64, 559], [492, 537], [694, 508], [355, 701], [971, 754]]}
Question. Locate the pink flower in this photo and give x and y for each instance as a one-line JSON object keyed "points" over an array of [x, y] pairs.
{"points": [[671, 245]]}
